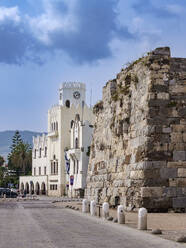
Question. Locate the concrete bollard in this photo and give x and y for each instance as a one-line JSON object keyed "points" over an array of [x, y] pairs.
{"points": [[4, 196], [105, 210], [121, 214], [85, 206], [93, 208], [142, 219]]}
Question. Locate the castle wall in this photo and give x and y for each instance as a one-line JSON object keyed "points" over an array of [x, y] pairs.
{"points": [[138, 148]]}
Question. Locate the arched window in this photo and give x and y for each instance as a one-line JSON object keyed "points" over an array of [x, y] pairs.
{"points": [[51, 168], [76, 143], [45, 151], [35, 153], [74, 167], [56, 167], [67, 103], [40, 152], [54, 172], [77, 118], [77, 166], [56, 125], [72, 122]]}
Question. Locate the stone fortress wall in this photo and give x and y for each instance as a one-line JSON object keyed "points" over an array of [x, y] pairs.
{"points": [[138, 152]]}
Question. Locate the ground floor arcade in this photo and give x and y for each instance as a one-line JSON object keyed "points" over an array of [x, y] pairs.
{"points": [[34, 185]]}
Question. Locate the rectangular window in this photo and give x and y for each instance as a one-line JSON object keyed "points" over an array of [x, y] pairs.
{"points": [[53, 187], [45, 170], [40, 171]]}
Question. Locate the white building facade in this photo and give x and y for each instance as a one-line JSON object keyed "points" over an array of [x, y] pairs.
{"points": [[78, 155], [49, 175]]}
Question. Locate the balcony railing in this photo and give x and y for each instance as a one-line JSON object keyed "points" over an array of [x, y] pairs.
{"points": [[53, 134]]}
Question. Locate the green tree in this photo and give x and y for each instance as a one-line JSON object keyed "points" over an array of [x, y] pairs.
{"points": [[2, 177], [20, 157], [16, 140], [1, 160]]}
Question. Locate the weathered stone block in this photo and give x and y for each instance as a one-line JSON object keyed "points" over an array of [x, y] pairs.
{"points": [[157, 203], [184, 137], [180, 182], [179, 202], [168, 172], [137, 174], [167, 130], [172, 192], [179, 155], [176, 164], [179, 128], [163, 95], [165, 51], [176, 137], [151, 191], [181, 172]]}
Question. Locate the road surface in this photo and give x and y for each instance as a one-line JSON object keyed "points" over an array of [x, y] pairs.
{"points": [[39, 224]]}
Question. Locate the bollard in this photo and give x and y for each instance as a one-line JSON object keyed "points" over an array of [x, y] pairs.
{"points": [[85, 206], [121, 214], [4, 196], [105, 210], [93, 208], [142, 219]]}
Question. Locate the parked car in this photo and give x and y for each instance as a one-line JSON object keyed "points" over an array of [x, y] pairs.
{"points": [[8, 193]]}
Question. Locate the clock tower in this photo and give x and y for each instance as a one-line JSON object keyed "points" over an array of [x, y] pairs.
{"points": [[72, 93]]}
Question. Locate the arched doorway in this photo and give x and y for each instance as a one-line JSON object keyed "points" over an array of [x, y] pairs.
{"points": [[31, 188], [37, 189], [27, 188], [22, 188], [43, 189], [76, 143], [67, 103]]}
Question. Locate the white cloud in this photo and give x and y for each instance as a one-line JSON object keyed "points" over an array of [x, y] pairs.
{"points": [[9, 14], [141, 27], [51, 21]]}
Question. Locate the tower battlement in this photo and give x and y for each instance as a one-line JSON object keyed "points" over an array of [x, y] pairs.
{"points": [[70, 85]]}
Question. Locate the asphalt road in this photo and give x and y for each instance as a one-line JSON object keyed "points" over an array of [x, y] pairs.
{"points": [[36, 224]]}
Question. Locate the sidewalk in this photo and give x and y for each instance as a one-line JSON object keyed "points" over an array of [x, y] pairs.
{"points": [[173, 225]]}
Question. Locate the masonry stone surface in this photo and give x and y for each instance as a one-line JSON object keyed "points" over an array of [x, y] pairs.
{"points": [[138, 152]]}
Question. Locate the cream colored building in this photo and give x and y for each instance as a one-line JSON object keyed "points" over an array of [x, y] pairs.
{"points": [[49, 169], [78, 155]]}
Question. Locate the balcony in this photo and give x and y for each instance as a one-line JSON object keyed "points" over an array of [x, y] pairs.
{"points": [[74, 153], [53, 134]]}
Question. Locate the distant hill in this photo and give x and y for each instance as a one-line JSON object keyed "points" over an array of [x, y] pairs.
{"points": [[6, 140]]}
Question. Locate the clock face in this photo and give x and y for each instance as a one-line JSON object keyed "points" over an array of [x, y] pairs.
{"points": [[76, 95]]}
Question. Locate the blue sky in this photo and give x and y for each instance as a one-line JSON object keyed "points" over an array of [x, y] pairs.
{"points": [[46, 42]]}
